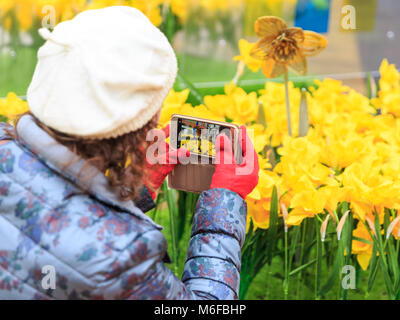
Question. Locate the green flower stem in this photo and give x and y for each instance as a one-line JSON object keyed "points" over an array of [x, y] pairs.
{"points": [[299, 276], [286, 282], [172, 209], [318, 261], [239, 72]]}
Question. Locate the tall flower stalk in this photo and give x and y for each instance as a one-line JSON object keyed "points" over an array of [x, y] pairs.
{"points": [[281, 48]]}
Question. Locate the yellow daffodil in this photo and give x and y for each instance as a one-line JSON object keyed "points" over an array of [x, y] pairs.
{"points": [[258, 211], [306, 204], [389, 95], [151, 8], [180, 9], [390, 76], [244, 107], [363, 249], [12, 106], [245, 48], [267, 181], [24, 15], [218, 104], [281, 47], [6, 5], [173, 104]]}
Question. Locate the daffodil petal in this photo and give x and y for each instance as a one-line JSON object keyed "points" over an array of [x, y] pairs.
{"points": [[294, 220], [363, 259], [271, 69], [268, 26], [313, 43], [255, 194], [262, 48], [299, 64]]}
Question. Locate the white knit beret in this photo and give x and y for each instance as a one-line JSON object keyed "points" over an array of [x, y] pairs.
{"points": [[103, 74]]}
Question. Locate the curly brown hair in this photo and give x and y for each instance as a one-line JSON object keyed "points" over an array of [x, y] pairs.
{"points": [[121, 159]]}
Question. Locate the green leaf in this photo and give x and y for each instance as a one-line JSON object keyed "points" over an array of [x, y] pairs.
{"points": [[348, 240], [373, 268], [169, 25], [171, 202], [304, 266], [184, 207], [260, 247], [273, 225], [293, 244], [339, 258], [319, 260], [159, 200], [363, 240], [336, 270], [382, 258], [392, 256], [195, 98]]}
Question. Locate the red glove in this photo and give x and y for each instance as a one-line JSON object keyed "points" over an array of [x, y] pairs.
{"points": [[240, 178], [155, 174]]}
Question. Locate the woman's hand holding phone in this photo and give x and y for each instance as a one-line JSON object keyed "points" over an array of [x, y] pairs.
{"points": [[240, 178], [155, 174]]}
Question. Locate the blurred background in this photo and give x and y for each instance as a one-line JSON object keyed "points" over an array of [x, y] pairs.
{"points": [[206, 33]]}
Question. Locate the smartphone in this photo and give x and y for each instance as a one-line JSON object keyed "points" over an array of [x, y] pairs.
{"points": [[198, 136]]}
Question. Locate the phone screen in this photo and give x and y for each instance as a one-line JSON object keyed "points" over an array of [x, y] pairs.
{"points": [[199, 137]]}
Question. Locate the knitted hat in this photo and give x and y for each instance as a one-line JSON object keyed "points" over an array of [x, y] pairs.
{"points": [[103, 74]]}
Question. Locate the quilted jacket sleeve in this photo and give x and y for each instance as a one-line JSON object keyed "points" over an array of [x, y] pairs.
{"points": [[212, 269], [213, 261]]}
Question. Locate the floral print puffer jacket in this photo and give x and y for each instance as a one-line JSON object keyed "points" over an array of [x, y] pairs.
{"points": [[98, 246]]}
